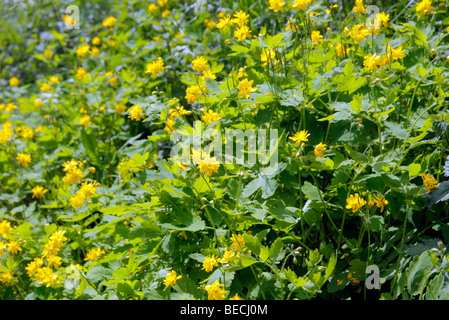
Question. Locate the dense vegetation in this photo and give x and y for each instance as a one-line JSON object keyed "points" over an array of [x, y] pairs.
{"points": [[95, 95]]}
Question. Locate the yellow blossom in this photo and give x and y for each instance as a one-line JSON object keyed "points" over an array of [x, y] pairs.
{"points": [[236, 297], [156, 67], [34, 265], [319, 150], [109, 22], [429, 181], [136, 112], [299, 137], [424, 7], [355, 202], [24, 159], [215, 291], [85, 120], [81, 73], [14, 81], [209, 263], [38, 191], [245, 88], [5, 228], [380, 202], [209, 165], [45, 87], [301, 4], [238, 243], [14, 247], [94, 254], [242, 32], [199, 64], [316, 37], [276, 5], [82, 50], [210, 116], [359, 7], [171, 278]]}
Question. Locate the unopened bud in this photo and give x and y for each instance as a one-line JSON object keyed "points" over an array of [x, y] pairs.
{"points": [[92, 170]]}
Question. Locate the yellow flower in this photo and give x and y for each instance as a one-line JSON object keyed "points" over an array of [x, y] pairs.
{"points": [[46, 276], [340, 50], [224, 22], [242, 32], [45, 87], [48, 53], [6, 132], [81, 73], [301, 4], [299, 137], [371, 61], [241, 18], [38, 191], [194, 92], [6, 276], [96, 41], [359, 7], [316, 37], [424, 7], [85, 120], [354, 202], [238, 243], [429, 181], [136, 112], [87, 189], [5, 228], [24, 159], [82, 50], [215, 291], [94, 254], [209, 263], [380, 202], [208, 74], [199, 64], [210, 116], [395, 54], [54, 261], [14, 247], [34, 265], [171, 278], [109, 22], [267, 56], [227, 255], [14, 82], [276, 5], [156, 67], [76, 201], [53, 79], [236, 297], [152, 7], [319, 150], [245, 88], [94, 51], [382, 19], [209, 165], [120, 108], [169, 125], [358, 32]]}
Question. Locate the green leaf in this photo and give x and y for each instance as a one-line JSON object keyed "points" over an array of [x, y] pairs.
{"points": [[276, 250], [311, 192], [417, 272], [90, 144]]}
